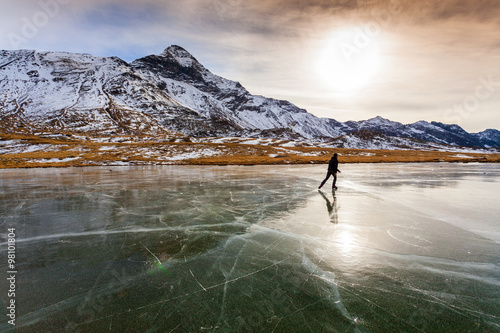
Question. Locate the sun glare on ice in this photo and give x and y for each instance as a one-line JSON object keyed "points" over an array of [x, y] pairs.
{"points": [[350, 59], [346, 241]]}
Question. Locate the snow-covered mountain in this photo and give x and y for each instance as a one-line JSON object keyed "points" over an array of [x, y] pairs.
{"points": [[225, 101], [169, 92], [488, 138], [430, 132], [80, 93]]}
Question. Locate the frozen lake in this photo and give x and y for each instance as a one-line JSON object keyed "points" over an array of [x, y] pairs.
{"points": [[398, 248]]}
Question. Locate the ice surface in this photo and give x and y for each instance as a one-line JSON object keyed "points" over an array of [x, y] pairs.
{"points": [[402, 247]]}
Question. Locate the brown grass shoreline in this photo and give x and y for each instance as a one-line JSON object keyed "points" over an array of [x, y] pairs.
{"points": [[40, 152]]}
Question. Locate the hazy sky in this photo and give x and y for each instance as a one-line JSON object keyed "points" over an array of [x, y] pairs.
{"points": [[405, 60]]}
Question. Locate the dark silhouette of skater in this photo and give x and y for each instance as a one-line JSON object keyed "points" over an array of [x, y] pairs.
{"points": [[333, 166], [332, 208]]}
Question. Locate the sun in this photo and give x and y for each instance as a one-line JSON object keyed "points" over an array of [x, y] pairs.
{"points": [[350, 59]]}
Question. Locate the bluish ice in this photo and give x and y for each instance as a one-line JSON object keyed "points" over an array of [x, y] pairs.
{"points": [[398, 248]]}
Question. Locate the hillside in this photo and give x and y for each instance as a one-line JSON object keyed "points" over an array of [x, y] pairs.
{"points": [[171, 98]]}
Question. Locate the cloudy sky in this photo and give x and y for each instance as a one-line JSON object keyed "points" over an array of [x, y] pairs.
{"points": [[404, 60]]}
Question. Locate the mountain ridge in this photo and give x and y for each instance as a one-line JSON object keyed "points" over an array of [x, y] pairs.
{"points": [[172, 92]]}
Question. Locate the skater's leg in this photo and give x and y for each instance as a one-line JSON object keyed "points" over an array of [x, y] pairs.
{"points": [[334, 180], [326, 179]]}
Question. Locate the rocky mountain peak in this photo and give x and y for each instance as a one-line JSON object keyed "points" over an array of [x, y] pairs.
{"points": [[177, 51], [379, 120], [180, 55], [172, 91]]}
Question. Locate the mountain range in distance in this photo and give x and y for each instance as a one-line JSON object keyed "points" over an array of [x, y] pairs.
{"points": [[172, 93]]}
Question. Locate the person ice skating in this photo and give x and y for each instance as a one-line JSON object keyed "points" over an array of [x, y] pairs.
{"points": [[332, 171]]}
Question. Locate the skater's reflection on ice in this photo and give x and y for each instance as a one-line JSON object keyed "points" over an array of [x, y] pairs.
{"points": [[332, 207]]}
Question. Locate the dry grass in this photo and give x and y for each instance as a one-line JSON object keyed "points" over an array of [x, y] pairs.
{"points": [[70, 152]]}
